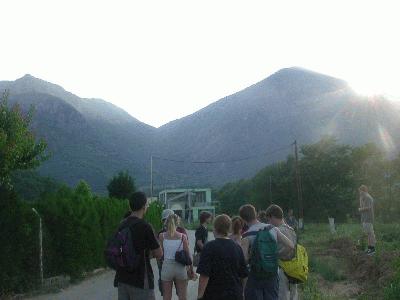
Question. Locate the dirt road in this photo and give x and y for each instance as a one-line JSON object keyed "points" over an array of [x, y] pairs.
{"points": [[100, 287]]}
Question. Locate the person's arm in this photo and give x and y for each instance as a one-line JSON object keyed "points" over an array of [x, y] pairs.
{"points": [[243, 271], [161, 239], [204, 269], [245, 248], [152, 243], [281, 238], [203, 281], [367, 205], [186, 248], [199, 238]]}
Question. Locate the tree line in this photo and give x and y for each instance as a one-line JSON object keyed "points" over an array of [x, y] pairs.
{"points": [[76, 222], [330, 176]]}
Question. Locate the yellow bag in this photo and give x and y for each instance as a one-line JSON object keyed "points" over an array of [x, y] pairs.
{"points": [[297, 268]]}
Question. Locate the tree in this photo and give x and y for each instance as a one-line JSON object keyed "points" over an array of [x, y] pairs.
{"points": [[18, 147], [121, 186], [328, 179]]}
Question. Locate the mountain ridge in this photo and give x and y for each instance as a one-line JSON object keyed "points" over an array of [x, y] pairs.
{"points": [[293, 103]]}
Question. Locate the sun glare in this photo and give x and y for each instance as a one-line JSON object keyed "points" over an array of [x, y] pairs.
{"points": [[366, 88]]}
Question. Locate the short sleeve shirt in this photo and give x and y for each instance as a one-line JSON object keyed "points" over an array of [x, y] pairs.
{"points": [[201, 234], [144, 241], [367, 216], [223, 262]]}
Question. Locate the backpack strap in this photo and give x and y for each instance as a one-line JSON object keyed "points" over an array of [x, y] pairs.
{"points": [[128, 223], [251, 233]]}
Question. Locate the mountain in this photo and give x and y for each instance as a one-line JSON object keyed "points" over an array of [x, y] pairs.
{"points": [[292, 104], [88, 139], [232, 138]]}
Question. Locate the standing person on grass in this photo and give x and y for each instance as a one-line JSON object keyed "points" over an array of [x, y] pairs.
{"points": [[172, 241], [139, 284], [201, 234], [287, 290], [222, 267], [367, 217], [264, 288]]}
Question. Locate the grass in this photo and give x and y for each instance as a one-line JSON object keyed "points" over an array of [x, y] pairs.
{"points": [[329, 266]]}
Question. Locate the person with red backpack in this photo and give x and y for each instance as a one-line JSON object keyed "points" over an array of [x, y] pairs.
{"points": [[129, 252], [260, 248]]}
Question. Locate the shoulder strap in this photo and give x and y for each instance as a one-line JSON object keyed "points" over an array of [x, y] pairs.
{"points": [[127, 223], [269, 227], [180, 243], [249, 233]]}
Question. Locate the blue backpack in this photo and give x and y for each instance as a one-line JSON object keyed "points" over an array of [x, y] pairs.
{"points": [[120, 253]]}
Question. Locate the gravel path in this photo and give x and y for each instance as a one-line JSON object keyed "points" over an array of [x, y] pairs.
{"points": [[100, 287]]}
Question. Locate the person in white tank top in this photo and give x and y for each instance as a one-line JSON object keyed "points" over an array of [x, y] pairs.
{"points": [[172, 241]]}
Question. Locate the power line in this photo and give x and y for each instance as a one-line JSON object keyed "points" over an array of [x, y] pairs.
{"points": [[225, 161]]}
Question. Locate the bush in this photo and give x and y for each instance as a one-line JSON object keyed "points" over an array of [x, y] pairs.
{"points": [[153, 215], [19, 247]]}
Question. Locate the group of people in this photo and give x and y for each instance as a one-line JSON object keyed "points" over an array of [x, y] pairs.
{"points": [[224, 269], [222, 264]]}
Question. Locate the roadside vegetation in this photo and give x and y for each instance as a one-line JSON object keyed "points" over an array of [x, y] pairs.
{"points": [[341, 270]]}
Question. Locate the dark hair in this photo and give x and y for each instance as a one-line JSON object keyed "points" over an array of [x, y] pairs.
{"points": [[137, 201], [237, 225], [262, 216], [275, 211], [247, 212], [204, 215], [222, 224]]}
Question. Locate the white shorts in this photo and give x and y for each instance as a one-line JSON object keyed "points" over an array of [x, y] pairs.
{"points": [[172, 270]]}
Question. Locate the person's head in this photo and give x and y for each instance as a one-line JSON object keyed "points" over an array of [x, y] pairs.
{"points": [[275, 214], [290, 212], [171, 224], [262, 216], [138, 202], [363, 189], [222, 225], [237, 225], [205, 217], [248, 213], [165, 214]]}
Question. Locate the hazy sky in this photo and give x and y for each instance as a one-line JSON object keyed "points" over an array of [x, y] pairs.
{"points": [[161, 60]]}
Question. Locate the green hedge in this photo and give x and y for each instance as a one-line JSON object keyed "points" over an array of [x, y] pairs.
{"points": [[76, 227]]}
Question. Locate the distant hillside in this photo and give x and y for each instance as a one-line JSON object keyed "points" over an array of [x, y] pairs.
{"points": [[91, 139], [291, 104]]}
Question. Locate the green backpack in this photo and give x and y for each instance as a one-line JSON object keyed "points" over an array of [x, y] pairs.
{"points": [[264, 254]]}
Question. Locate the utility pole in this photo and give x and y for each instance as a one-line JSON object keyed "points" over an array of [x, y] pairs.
{"points": [[270, 189], [40, 246], [151, 177], [298, 184]]}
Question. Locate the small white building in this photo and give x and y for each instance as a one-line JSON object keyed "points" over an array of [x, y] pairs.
{"points": [[188, 203]]}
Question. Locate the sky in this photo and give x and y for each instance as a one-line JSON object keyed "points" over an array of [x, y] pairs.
{"points": [[162, 60]]}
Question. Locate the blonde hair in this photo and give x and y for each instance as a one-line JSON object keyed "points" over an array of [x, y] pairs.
{"points": [[172, 222], [363, 188]]}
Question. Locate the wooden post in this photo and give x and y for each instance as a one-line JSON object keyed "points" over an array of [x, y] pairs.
{"points": [[298, 184]]}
